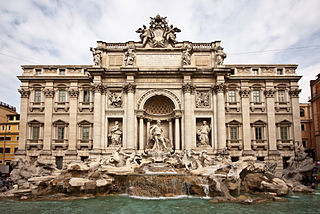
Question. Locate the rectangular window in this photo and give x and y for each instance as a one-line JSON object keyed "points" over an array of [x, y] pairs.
{"points": [[256, 96], [38, 71], [15, 149], [232, 96], [1, 138], [86, 96], [17, 138], [62, 71], [260, 158], [11, 118], [8, 138], [279, 71], [233, 133], [7, 150], [85, 133], [17, 117], [258, 131], [35, 133], [62, 96], [303, 127], [255, 71], [281, 96], [301, 112], [60, 133], [3, 128], [37, 96], [284, 133], [9, 127], [304, 143], [1, 150]]}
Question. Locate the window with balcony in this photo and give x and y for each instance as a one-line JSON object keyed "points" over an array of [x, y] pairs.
{"points": [[233, 133], [232, 96], [284, 133], [37, 96], [86, 96], [256, 96], [281, 96], [35, 132], [85, 133], [62, 96], [60, 133], [259, 133]]}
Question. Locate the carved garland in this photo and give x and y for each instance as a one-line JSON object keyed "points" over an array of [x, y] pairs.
{"points": [[48, 92], [269, 93], [244, 93], [188, 88], [73, 93], [220, 88], [129, 88], [24, 92], [295, 92]]}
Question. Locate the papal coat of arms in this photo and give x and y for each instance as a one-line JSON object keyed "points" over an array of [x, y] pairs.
{"points": [[159, 33]]}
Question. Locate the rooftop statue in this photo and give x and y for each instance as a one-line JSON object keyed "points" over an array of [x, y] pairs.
{"points": [[159, 33]]}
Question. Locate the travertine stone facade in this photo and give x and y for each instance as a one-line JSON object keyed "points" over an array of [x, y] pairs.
{"points": [[79, 111]]}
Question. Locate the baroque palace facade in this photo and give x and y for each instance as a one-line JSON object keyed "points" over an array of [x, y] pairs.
{"points": [[73, 112]]}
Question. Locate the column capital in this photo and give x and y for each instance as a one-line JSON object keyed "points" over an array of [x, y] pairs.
{"points": [[219, 88], [73, 93], [48, 92], [269, 93], [129, 88], [244, 93], [24, 92], [188, 88], [294, 93], [99, 87]]}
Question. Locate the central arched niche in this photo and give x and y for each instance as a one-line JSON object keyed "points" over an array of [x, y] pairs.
{"points": [[159, 105]]}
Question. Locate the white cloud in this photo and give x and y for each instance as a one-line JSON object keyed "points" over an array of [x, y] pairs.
{"points": [[61, 32]]}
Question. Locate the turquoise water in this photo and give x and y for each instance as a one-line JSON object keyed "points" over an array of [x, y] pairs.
{"points": [[123, 204]]}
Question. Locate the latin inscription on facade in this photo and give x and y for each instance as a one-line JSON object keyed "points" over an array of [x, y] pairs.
{"points": [[115, 60], [155, 60]]}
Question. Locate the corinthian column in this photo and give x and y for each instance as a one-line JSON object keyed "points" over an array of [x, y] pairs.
{"points": [[245, 103], [48, 107], [187, 90], [294, 94], [272, 138], [23, 121], [98, 89], [130, 89], [219, 89], [73, 94]]}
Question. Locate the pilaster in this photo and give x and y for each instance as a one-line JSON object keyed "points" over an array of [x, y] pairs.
{"points": [[130, 90], [271, 119], [187, 90], [220, 89], [294, 94], [73, 95], [97, 88]]}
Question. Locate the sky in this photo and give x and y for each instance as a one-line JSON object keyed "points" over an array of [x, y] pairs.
{"points": [[251, 31]]}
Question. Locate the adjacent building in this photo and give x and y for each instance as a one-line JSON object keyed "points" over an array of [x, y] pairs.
{"points": [[306, 123], [75, 112], [315, 107], [9, 137]]}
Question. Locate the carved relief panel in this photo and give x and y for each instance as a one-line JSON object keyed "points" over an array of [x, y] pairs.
{"points": [[115, 98], [202, 99]]}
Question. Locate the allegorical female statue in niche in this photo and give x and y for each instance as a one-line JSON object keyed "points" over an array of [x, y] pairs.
{"points": [[203, 134], [115, 134]]}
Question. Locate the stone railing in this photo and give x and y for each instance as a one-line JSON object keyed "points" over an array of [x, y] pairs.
{"points": [[282, 105], [259, 144], [234, 144], [61, 105], [36, 105], [116, 45], [285, 144], [85, 105], [202, 45], [84, 144], [34, 143], [62, 143], [233, 105], [257, 105]]}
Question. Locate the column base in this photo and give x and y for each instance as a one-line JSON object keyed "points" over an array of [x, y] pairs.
{"points": [[46, 153]]}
